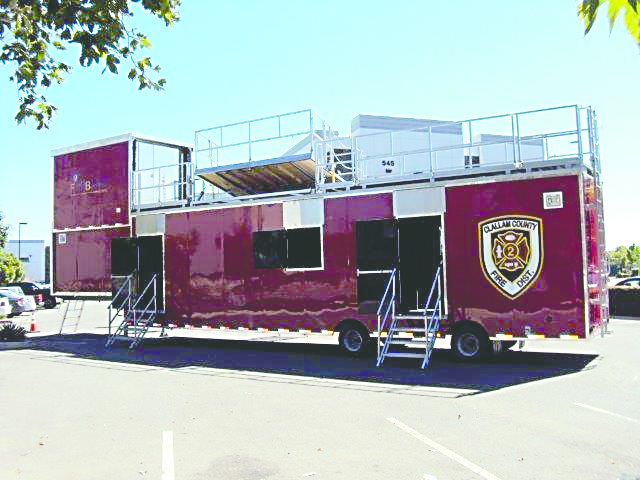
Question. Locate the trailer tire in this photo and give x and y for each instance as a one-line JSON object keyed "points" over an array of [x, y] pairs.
{"points": [[470, 343], [50, 302], [354, 339]]}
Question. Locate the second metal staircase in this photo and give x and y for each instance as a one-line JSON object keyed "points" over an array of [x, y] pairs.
{"points": [[138, 312], [395, 325]]}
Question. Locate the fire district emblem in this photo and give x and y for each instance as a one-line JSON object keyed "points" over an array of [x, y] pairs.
{"points": [[511, 252]]}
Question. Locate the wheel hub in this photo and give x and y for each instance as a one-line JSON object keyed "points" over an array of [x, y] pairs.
{"points": [[468, 344]]}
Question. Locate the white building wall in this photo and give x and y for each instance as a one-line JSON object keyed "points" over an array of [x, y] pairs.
{"points": [[32, 257]]}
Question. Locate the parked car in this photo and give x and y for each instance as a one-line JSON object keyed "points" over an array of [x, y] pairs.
{"points": [[624, 297], [29, 300], [18, 302], [35, 289], [5, 307]]}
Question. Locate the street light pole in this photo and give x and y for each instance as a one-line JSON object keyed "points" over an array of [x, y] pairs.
{"points": [[20, 240]]}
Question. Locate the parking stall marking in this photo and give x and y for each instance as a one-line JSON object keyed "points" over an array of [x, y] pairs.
{"points": [[444, 450], [596, 409], [168, 469]]}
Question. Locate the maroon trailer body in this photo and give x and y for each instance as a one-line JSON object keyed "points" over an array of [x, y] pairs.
{"points": [[510, 235]]}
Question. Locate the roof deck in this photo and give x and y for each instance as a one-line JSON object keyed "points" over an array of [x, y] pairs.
{"points": [[298, 153]]}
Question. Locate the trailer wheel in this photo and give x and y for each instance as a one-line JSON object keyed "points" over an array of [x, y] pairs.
{"points": [[50, 302], [353, 339], [470, 343]]}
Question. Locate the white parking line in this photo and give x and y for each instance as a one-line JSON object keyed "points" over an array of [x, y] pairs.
{"points": [[168, 472], [596, 409], [444, 450]]}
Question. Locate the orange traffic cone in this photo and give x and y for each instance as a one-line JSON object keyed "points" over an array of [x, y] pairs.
{"points": [[34, 327]]}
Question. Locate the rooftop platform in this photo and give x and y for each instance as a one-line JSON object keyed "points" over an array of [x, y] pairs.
{"points": [[298, 152]]}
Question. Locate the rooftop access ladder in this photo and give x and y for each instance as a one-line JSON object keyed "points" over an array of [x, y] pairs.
{"points": [[397, 324], [603, 267], [137, 316]]}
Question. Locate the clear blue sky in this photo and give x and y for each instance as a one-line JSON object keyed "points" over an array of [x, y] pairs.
{"points": [[228, 61]]}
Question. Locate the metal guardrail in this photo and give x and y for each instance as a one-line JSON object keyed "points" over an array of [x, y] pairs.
{"points": [[559, 136]]}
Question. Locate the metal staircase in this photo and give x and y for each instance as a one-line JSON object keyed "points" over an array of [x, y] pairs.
{"points": [[138, 312], [72, 313], [429, 318]]}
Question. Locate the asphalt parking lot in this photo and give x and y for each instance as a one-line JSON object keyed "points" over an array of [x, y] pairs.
{"points": [[242, 405]]}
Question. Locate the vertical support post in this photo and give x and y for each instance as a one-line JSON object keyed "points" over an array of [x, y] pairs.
{"points": [[579, 132], [518, 161], [513, 136], [431, 155], [249, 143]]}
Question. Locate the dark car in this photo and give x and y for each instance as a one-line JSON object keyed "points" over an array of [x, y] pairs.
{"points": [[624, 297], [30, 288]]}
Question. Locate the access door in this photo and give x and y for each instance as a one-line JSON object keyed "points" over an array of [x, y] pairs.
{"points": [[412, 246], [142, 257], [419, 255]]}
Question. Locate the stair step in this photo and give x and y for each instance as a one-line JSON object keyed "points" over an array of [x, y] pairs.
{"points": [[406, 341], [405, 355]]}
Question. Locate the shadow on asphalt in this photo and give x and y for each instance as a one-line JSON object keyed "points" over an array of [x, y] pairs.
{"points": [[322, 361]]}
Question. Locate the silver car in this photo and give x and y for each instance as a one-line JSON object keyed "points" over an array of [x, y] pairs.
{"points": [[18, 302], [30, 301], [5, 307]]}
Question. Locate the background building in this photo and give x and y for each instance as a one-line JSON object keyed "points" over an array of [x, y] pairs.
{"points": [[31, 253]]}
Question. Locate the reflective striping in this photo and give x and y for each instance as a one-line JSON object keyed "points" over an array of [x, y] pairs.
{"points": [[304, 330], [283, 330], [535, 336], [569, 337], [327, 332], [504, 336]]}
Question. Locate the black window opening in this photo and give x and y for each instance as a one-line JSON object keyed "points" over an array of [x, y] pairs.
{"points": [[293, 248], [377, 252], [377, 245], [269, 249]]}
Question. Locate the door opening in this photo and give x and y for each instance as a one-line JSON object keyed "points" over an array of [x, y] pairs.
{"points": [[141, 256], [419, 255]]}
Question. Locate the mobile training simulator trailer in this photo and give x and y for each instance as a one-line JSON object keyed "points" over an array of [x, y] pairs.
{"points": [[490, 229]]}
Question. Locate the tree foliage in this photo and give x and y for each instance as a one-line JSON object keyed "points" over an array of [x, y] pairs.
{"points": [[34, 34], [624, 260], [4, 230], [627, 9], [11, 270]]}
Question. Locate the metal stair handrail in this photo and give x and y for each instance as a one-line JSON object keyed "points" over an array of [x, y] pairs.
{"points": [[390, 290], [126, 301], [432, 322], [141, 296]]}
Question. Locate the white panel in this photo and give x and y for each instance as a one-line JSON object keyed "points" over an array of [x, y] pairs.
{"points": [[303, 213], [418, 202], [150, 224]]}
